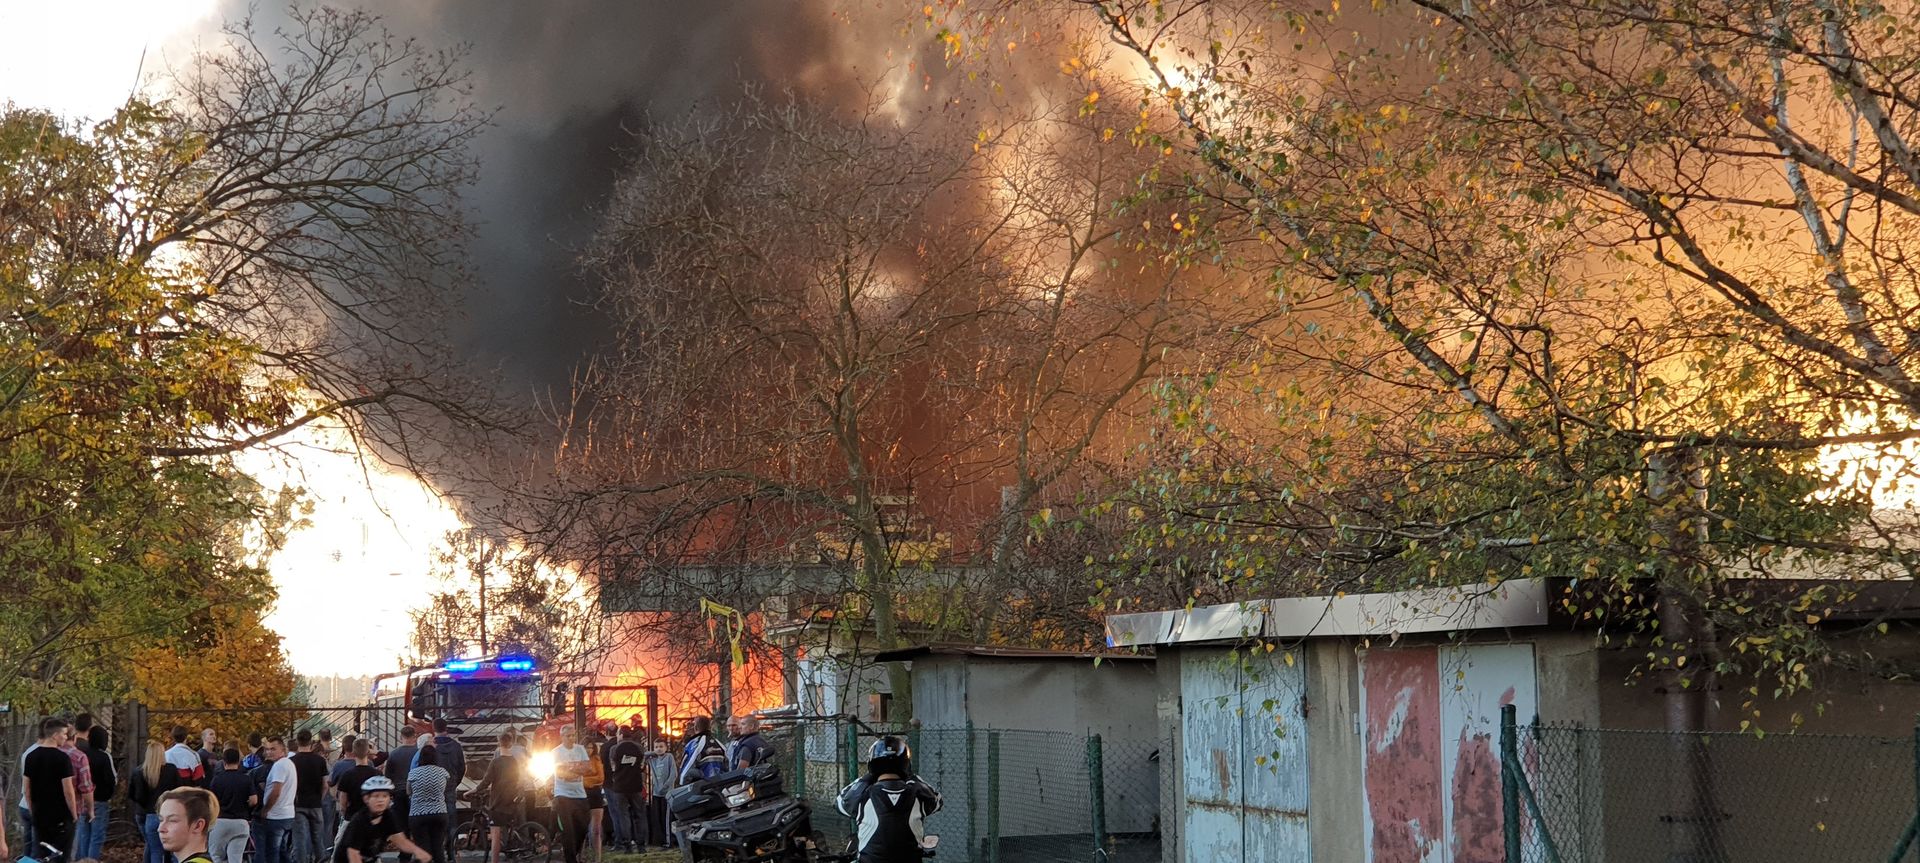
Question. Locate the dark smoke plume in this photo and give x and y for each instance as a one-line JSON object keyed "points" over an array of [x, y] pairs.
{"points": [[571, 80]]}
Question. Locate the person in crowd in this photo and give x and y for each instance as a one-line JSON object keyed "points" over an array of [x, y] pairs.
{"points": [[310, 772], [329, 813], [186, 818], [210, 752], [429, 821], [595, 779], [92, 839], [349, 797], [626, 790], [704, 757], [570, 761], [154, 778], [748, 747], [52, 801], [503, 792], [374, 827], [399, 763], [26, 815], [83, 791], [256, 749], [454, 760], [334, 773], [661, 775], [889, 805], [275, 842], [185, 759], [233, 789]]}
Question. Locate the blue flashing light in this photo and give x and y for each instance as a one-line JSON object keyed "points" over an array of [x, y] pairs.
{"points": [[516, 665], [462, 665]]}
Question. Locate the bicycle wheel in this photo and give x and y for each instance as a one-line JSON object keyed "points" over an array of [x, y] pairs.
{"points": [[532, 840]]}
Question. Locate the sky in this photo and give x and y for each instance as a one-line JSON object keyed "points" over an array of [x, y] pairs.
{"points": [[373, 530]]}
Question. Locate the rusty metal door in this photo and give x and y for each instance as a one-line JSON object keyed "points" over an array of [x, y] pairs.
{"points": [[1244, 743], [1430, 731]]}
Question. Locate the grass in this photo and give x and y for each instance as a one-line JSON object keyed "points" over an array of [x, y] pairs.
{"points": [[670, 856]]}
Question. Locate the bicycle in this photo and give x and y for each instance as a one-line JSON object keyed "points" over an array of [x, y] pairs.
{"points": [[54, 855], [528, 841]]}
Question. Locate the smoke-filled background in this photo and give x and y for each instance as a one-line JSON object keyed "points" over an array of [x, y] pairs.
{"points": [[572, 81]]}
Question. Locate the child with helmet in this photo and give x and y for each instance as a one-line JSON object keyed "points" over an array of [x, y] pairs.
{"points": [[376, 827]]}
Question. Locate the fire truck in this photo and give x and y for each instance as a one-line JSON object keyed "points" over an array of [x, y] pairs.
{"points": [[479, 697]]}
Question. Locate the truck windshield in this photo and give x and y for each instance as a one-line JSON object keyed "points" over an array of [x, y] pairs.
{"points": [[518, 698]]}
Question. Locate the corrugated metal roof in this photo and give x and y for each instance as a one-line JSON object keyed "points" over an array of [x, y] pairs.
{"points": [[1509, 604], [984, 651]]}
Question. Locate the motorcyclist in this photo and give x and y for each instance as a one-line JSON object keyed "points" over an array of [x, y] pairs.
{"points": [[889, 805]]}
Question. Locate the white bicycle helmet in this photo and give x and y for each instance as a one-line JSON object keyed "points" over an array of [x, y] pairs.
{"points": [[376, 783]]}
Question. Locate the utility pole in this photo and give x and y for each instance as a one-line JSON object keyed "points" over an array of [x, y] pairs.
{"points": [[484, 651]]}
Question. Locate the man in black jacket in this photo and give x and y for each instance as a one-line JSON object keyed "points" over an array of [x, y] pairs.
{"points": [[93, 743], [889, 806], [626, 788]]}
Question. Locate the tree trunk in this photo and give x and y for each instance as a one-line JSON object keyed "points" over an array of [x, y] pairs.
{"points": [[886, 626], [1676, 484]]}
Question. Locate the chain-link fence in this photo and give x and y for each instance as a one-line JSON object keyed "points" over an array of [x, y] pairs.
{"points": [[1007, 796], [1577, 795]]}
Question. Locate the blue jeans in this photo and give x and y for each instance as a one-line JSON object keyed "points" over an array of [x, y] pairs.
{"points": [[307, 839], [27, 845], [329, 827], [275, 842], [150, 828], [90, 835]]}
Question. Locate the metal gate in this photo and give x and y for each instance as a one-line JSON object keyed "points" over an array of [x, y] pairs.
{"points": [[1244, 744]]}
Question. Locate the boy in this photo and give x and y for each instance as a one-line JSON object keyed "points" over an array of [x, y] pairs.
{"points": [[186, 814], [375, 827]]}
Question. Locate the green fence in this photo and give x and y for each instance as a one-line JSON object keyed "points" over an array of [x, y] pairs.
{"points": [[1008, 796], [1576, 795]]}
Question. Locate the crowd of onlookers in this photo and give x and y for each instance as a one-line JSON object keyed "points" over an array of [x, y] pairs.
{"points": [[295, 801]]}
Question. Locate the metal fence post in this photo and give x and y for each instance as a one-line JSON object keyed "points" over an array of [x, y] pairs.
{"points": [[800, 759], [973, 790], [851, 741], [993, 796], [1097, 791], [1509, 783]]}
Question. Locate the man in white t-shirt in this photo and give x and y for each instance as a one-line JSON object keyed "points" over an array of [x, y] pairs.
{"points": [[275, 843], [570, 765]]}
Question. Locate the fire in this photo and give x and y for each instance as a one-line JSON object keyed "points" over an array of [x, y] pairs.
{"points": [[686, 687]]}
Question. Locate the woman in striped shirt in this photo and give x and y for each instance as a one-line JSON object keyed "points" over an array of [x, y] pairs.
{"points": [[427, 817]]}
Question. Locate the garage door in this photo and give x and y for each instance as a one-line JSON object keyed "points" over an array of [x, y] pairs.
{"points": [[1431, 738], [1244, 743]]}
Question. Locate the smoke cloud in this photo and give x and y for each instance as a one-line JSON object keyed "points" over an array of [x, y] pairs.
{"points": [[572, 79]]}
